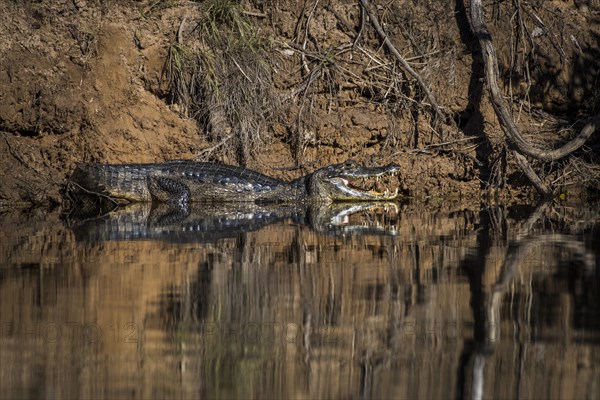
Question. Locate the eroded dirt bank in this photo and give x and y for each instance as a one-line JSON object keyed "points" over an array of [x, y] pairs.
{"points": [[85, 81]]}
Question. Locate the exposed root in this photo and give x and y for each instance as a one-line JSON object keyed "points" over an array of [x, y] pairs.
{"points": [[519, 146]]}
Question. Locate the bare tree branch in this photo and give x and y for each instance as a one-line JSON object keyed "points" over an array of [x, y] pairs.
{"points": [[491, 67], [537, 182], [401, 60]]}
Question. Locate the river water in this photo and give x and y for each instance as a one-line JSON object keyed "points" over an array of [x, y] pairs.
{"points": [[385, 301]]}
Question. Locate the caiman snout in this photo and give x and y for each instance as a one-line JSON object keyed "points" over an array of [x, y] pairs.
{"points": [[351, 181]]}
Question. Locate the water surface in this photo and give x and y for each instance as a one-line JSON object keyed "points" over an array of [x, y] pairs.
{"points": [[437, 301]]}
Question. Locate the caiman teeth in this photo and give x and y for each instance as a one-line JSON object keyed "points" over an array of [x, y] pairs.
{"points": [[373, 187], [387, 193]]}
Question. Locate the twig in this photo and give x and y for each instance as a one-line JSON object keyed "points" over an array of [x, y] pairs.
{"points": [[374, 67], [373, 58], [340, 18], [180, 30], [12, 152], [307, 82], [307, 28], [241, 70], [91, 192], [405, 65], [419, 56], [563, 176], [551, 35], [255, 14], [209, 150], [362, 26], [452, 142]]}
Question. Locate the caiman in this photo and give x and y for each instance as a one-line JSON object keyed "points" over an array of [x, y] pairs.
{"points": [[183, 181]]}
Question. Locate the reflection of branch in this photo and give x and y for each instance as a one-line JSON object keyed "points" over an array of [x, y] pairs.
{"points": [[487, 307], [515, 254], [401, 60], [518, 252], [478, 376]]}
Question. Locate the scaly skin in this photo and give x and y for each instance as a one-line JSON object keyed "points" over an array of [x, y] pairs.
{"points": [[188, 181]]}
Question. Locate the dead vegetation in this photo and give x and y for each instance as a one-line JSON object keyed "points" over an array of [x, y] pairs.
{"points": [[285, 87], [224, 82], [551, 165], [518, 145], [219, 74]]}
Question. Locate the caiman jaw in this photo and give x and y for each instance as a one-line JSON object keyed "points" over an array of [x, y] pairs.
{"points": [[354, 194], [352, 182], [348, 185]]}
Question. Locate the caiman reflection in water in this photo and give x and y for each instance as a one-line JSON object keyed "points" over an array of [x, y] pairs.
{"points": [[288, 302], [206, 223]]}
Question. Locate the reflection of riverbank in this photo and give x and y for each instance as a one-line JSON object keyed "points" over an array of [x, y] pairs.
{"points": [[534, 251], [452, 302]]}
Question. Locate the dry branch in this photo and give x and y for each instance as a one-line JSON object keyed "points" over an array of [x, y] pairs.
{"points": [[533, 177], [401, 60], [491, 67], [519, 145]]}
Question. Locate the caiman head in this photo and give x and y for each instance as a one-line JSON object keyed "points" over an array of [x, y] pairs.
{"points": [[350, 181]]}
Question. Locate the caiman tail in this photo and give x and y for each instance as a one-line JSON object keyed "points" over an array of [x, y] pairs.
{"points": [[128, 182]]}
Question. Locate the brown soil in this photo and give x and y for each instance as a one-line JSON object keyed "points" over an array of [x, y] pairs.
{"points": [[83, 81]]}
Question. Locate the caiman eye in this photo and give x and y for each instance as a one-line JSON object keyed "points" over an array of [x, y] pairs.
{"points": [[349, 163]]}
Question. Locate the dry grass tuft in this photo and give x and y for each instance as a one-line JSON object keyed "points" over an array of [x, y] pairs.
{"points": [[222, 78]]}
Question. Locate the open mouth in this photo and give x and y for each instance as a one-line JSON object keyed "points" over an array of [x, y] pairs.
{"points": [[382, 187]]}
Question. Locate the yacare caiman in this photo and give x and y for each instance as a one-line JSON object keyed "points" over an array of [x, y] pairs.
{"points": [[185, 181]]}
